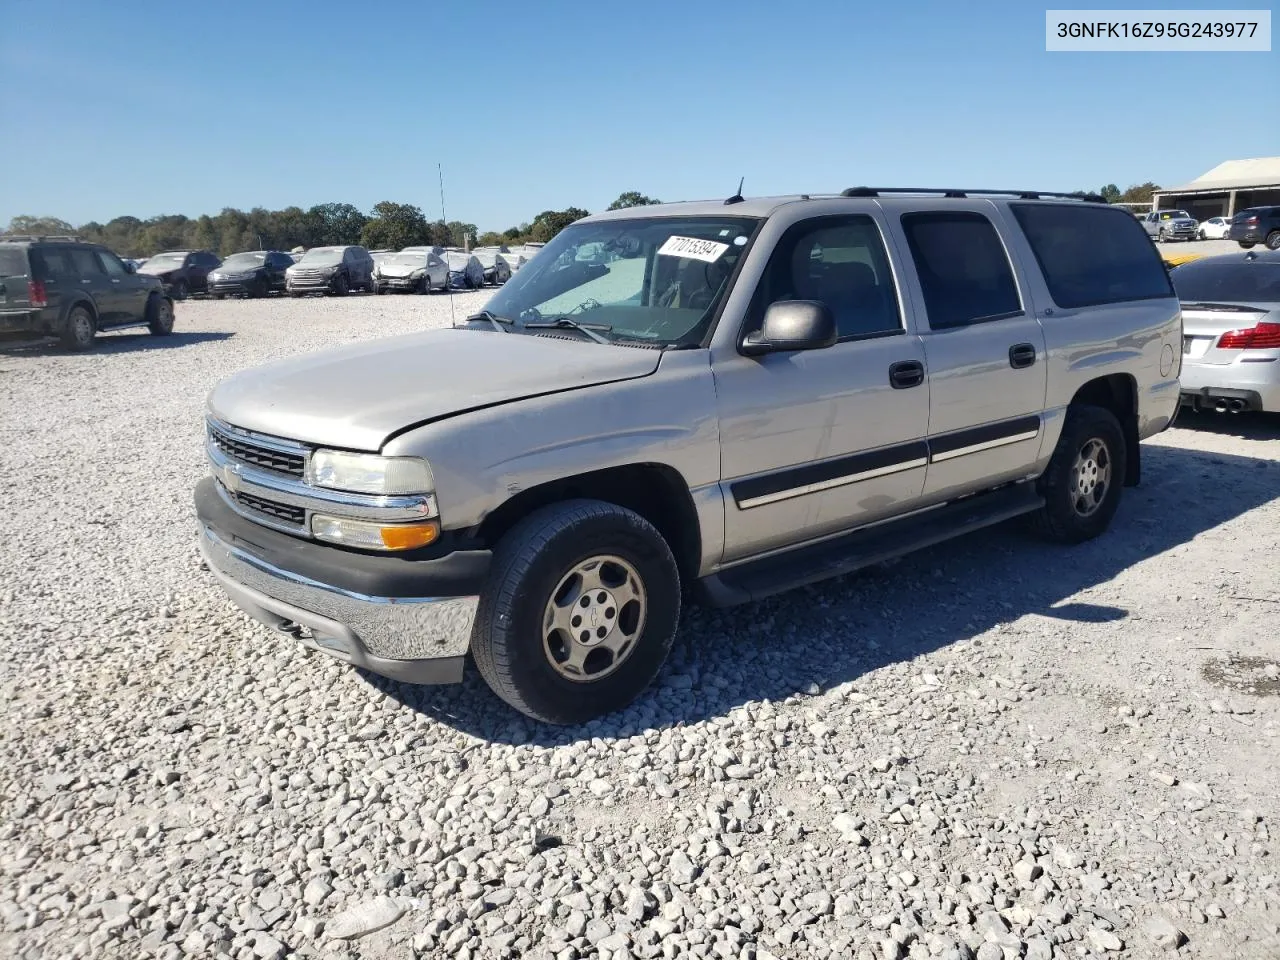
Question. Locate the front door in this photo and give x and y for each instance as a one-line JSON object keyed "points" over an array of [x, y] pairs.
{"points": [[91, 279], [125, 291], [820, 441], [984, 347]]}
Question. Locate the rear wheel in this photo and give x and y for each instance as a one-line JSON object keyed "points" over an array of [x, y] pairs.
{"points": [[80, 329], [579, 611], [159, 316], [1082, 484], [1273, 240]]}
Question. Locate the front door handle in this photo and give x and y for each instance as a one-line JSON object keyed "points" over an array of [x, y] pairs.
{"points": [[905, 374], [1022, 355]]}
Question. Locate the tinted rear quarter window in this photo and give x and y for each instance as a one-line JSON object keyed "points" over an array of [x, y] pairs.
{"points": [[13, 262], [1092, 255], [963, 268]]}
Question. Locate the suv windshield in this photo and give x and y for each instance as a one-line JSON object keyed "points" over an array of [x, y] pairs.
{"points": [[244, 260], [1204, 281], [405, 259], [322, 255], [656, 279]]}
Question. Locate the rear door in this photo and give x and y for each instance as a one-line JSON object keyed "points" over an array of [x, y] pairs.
{"points": [[984, 348]]}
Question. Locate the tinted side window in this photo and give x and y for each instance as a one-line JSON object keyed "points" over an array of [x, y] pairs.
{"points": [[85, 262], [1092, 255], [963, 268], [111, 264], [841, 262]]}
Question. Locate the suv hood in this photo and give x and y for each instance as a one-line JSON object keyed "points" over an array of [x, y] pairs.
{"points": [[356, 397]]}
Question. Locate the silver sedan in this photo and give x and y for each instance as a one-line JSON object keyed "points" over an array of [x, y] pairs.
{"points": [[1231, 332]]}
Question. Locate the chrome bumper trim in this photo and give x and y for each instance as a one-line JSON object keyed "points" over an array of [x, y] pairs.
{"points": [[360, 629]]}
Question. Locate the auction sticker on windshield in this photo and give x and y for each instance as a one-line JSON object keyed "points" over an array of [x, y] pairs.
{"points": [[693, 249]]}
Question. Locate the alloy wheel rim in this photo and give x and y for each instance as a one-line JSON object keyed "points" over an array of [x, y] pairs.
{"points": [[594, 618], [1090, 477], [84, 328]]}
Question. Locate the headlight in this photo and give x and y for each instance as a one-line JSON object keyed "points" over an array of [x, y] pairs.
{"points": [[369, 473], [374, 536]]}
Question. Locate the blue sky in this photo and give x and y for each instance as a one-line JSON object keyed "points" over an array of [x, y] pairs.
{"points": [[149, 107]]}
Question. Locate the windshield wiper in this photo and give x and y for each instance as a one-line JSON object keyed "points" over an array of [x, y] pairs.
{"points": [[498, 323], [561, 323]]}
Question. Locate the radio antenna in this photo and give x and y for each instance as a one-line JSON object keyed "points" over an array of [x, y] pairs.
{"points": [[737, 197], [444, 218]]}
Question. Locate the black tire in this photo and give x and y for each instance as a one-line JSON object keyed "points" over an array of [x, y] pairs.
{"points": [[1162, 237], [378, 290], [340, 286], [160, 316], [531, 562], [80, 331], [1061, 518], [1273, 240], [1247, 243], [1200, 235], [181, 291], [424, 285], [257, 289]]}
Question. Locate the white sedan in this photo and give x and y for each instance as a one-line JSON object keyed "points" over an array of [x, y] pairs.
{"points": [[1215, 228]]}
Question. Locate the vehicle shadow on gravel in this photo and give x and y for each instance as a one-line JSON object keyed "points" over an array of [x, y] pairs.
{"points": [[840, 630], [115, 343], [1247, 426]]}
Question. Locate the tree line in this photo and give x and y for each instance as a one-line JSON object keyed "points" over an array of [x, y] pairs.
{"points": [[388, 225]]}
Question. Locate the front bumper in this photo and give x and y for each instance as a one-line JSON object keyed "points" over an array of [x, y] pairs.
{"points": [[309, 284], [399, 283], [233, 286], [409, 620]]}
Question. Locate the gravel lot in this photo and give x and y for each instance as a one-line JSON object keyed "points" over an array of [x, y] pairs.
{"points": [[995, 749]]}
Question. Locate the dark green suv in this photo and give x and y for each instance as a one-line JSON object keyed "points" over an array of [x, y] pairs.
{"points": [[66, 288]]}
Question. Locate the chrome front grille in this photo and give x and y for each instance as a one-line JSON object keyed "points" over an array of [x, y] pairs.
{"points": [[257, 454], [296, 516]]}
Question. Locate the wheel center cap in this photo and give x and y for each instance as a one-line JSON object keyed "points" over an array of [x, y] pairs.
{"points": [[596, 616]]}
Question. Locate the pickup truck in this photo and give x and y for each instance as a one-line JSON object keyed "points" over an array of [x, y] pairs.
{"points": [[1165, 225], [745, 396]]}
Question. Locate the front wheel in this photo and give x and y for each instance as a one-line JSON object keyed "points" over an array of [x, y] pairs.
{"points": [[1201, 236], [579, 611], [159, 317], [340, 287], [1162, 237], [1082, 484]]}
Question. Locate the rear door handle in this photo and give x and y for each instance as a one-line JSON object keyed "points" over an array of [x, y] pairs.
{"points": [[1022, 355], [905, 374]]}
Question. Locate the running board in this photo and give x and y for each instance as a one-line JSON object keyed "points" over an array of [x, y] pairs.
{"points": [[845, 553]]}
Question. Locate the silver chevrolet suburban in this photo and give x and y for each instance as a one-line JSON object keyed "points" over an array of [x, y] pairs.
{"points": [[738, 396]]}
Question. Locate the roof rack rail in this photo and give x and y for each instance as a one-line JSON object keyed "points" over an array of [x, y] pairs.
{"points": [[31, 238], [960, 194]]}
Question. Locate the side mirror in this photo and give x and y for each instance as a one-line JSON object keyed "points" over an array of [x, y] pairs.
{"points": [[792, 325], [130, 268]]}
